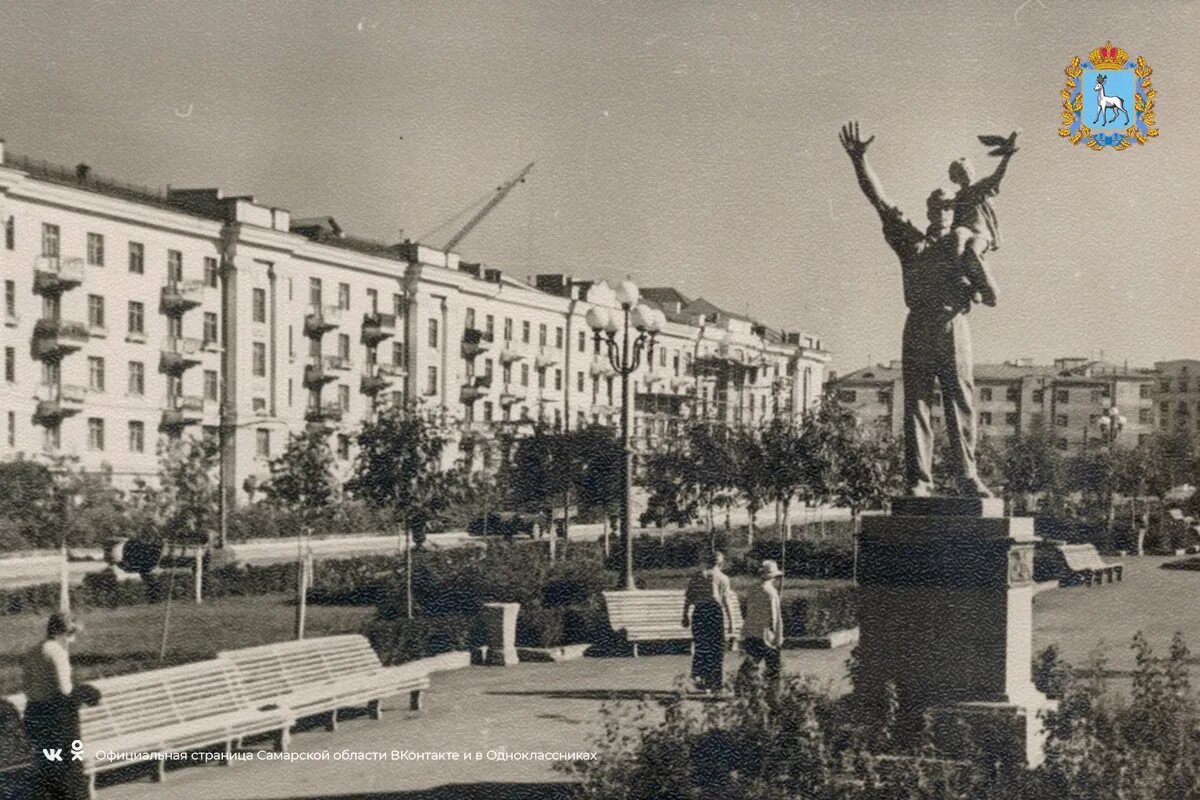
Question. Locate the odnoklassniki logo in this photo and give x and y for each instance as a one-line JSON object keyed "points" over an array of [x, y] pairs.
{"points": [[1108, 100]]}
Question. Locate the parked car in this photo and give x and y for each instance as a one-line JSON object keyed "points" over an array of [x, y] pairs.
{"points": [[503, 523]]}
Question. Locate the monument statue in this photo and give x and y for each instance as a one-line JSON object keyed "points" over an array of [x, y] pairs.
{"points": [[944, 271]]}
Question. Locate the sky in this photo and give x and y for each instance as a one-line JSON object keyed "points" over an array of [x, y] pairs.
{"points": [[691, 144]]}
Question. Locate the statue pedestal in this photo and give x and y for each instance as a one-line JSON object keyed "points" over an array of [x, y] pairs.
{"points": [[945, 617], [500, 627]]}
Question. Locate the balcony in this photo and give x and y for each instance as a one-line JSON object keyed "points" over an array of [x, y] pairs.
{"points": [[392, 370], [475, 388], [337, 363], [186, 410], [324, 413], [180, 296], [179, 354], [508, 355], [53, 275], [545, 359], [475, 341], [602, 368], [317, 374], [377, 327], [511, 396], [55, 403], [322, 319], [55, 338], [374, 382]]}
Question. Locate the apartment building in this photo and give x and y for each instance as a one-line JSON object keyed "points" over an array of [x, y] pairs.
{"points": [[133, 316], [1067, 398], [1177, 394]]}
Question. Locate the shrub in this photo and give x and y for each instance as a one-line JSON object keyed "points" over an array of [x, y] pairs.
{"points": [[400, 640], [821, 611], [805, 559]]}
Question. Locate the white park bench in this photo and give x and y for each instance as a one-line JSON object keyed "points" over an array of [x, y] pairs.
{"points": [[173, 710], [1083, 563], [312, 677], [653, 615]]}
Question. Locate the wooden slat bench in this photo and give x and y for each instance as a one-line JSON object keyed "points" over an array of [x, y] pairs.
{"points": [[172, 710], [312, 677], [653, 615], [1083, 563]]}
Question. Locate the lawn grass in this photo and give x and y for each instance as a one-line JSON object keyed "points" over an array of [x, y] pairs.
{"points": [[678, 579], [121, 640]]}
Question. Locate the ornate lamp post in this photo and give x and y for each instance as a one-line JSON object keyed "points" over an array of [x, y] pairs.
{"points": [[1111, 423], [625, 356]]}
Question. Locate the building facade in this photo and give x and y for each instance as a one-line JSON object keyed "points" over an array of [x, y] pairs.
{"points": [[1067, 398], [132, 317]]}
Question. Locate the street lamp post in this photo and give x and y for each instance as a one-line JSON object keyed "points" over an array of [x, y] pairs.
{"points": [[1111, 423], [625, 356]]}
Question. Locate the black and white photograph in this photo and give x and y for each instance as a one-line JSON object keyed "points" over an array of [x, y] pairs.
{"points": [[599, 400]]}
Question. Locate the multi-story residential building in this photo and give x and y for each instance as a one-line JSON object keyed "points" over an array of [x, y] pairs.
{"points": [[132, 315], [1177, 394], [1067, 398]]}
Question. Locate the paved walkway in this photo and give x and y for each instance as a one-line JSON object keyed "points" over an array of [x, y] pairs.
{"points": [[553, 707]]}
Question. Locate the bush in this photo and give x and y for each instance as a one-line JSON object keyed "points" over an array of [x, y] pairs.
{"points": [[805, 558], [400, 640], [555, 627], [821, 611]]}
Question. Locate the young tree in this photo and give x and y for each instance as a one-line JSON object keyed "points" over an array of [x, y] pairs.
{"points": [[750, 478], [599, 481], [399, 471], [711, 463], [302, 478], [546, 470], [1031, 464], [669, 481], [186, 498], [786, 464]]}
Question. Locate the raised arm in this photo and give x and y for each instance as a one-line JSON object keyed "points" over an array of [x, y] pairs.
{"points": [[856, 148], [991, 184]]}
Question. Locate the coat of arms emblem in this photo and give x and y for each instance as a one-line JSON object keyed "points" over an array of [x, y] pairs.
{"points": [[1108, 100]]}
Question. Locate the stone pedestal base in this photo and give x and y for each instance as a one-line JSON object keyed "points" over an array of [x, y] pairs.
{"points": [[945, 621], [500, 626]]}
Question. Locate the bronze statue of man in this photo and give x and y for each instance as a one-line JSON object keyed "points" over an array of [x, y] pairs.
{"points": [[938, 290]]}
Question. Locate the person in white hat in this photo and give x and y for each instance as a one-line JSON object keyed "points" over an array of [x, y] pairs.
{"points": [[762, 630]]}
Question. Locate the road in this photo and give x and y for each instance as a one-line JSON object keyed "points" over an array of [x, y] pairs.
{"points": [[44, 566]]}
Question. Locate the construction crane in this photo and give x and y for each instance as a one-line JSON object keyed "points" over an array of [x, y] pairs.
{"points": [[501, 192]]}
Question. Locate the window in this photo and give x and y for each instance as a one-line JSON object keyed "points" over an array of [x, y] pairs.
{"points": [[95, 311], [525, 374], [95, 433], [344, 296], [431, 381], [50, 238], [398, 305], [174, 385], [1144, 390], [1038, 396], [579, 381], [542, 335], [344, 346], [506, 373], [96, 373], [985, 418], [847, 395], [262, 442], [508, 330], [373, 300], [10, 240], [174, 266], [137, 378], [397, 354], [885, 397], [175, 326], [558, 337], [526, 328], [137, 437], [1164, 386], [259, 353], [137, 317], [12, 420], [558, 380], [487, 411], [258, 305], [95, 250], [10, 298], [1012, 418], [137, 258], [344, 397], [470, 318], [489, 326], [1061, 420], [10, 364], [52, 438], [314, 292], [211, 327], [541, 379], [211, 387], [343, 446], [433, 333], [1144, 415], [1062, 396], [1012, 394], [1183, 384], [985, 394], [211, 272], [583, 341]]}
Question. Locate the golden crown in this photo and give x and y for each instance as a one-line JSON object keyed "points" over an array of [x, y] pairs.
{"points": [[1109, 57]]}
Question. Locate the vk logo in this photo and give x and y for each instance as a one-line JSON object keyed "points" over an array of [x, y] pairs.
{"points": [[56, 754]]}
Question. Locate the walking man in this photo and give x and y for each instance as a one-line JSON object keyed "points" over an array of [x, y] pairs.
{"points": [[707, 608], [762, 630]]}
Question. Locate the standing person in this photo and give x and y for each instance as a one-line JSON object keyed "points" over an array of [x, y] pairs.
{"points": [[707, 608], [936, 348], [762, 630], [52, 710]]}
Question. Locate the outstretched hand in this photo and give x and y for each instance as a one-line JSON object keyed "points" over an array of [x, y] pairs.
{"points": [[852, 140], [1003, 146]]}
